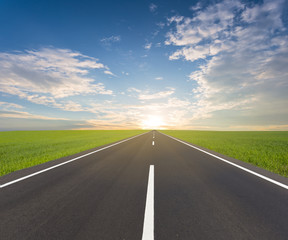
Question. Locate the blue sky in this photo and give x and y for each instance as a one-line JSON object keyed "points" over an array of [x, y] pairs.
{"points": [[207, 65]]}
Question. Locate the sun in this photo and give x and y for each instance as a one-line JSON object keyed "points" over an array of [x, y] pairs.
{"points": [[153, 122]]}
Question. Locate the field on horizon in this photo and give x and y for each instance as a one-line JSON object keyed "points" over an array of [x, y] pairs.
{"points": [[23, 149], [268, 150]]}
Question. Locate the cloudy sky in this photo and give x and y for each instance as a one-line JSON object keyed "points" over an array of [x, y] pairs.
{"points": [[178, 64]]}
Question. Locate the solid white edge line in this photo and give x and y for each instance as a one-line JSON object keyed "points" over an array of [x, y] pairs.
{"points": [[233, 164], [71, 160], [148, 226]]}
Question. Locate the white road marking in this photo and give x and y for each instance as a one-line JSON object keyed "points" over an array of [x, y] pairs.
{"points": [[148, 226], [234, 164], [153, 143], [60, 164]]}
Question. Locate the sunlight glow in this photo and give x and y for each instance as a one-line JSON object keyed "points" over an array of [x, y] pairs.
{"points": [[153, 122]]}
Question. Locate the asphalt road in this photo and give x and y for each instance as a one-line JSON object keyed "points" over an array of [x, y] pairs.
{"points": [[103, 196]]}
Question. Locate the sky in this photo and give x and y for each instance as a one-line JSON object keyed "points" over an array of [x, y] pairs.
{"points": [[167, 64]]}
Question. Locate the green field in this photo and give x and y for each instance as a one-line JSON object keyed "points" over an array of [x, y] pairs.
{"points": [[22, 149], [267, 150]]}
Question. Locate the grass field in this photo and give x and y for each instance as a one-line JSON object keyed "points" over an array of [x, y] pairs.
{"points": [[267, 150], [22, 149]]}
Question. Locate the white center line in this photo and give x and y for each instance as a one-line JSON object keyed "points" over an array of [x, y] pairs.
{"points": [[153, 143], [148, 226]]}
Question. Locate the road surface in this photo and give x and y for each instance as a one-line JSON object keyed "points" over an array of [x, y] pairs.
{"points": [[148, 187]]}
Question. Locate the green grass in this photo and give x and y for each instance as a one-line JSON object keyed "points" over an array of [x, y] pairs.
{"points": [[268, 150], [22, 149]]}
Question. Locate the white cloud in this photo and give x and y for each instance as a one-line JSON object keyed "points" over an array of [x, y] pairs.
{"points": [[196, 7], [161, 25], [48, 74], [105, 125], [153, 7], [7, 105], [26, 115], [210, 24], [191, 53], [148, 46], [158, 44], [159, 78], [245, 53], [109, 73], [132, 89], [73, 106], [146, 95], [112, 39], [158, 95]]}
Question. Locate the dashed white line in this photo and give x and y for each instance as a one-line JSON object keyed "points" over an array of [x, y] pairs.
{"points": [[60, 164], [148, 226], [234, 164], [153, 143]]}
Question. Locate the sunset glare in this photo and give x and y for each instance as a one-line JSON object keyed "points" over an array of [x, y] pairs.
{"points": [[153, 122]]}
